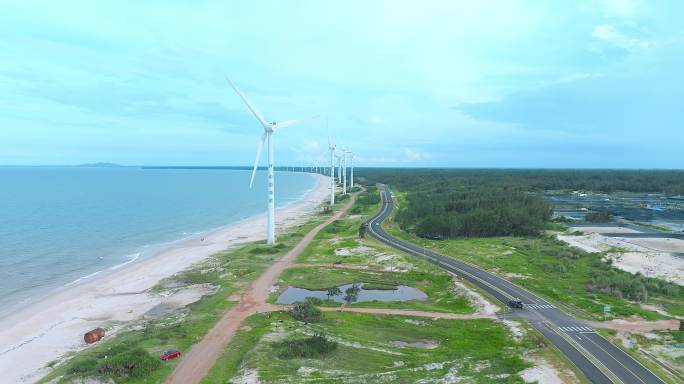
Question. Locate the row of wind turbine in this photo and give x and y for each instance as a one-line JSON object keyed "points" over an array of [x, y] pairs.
{"points": [[267, 138]]}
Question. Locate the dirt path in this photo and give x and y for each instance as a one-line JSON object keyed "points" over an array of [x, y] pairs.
{"points": [[639, 326], [360, 267], [409, 312], [202, 356]]}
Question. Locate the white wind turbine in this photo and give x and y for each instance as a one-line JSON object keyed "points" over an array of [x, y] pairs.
{"points": [[269, 128], [339, 168], [351, 165], [331, 148], [344, 171]]}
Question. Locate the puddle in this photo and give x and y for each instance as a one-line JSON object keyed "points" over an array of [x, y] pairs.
{"points": [[350, 293], [424, 344]]}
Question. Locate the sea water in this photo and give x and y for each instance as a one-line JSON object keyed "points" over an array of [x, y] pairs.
{"points": [[60, 226]]}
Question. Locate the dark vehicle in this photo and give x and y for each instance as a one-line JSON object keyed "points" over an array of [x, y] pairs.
{"points": [[170, 354], [515, 304]]}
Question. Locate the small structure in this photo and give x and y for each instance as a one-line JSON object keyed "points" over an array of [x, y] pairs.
{"points": [[94, 336]]}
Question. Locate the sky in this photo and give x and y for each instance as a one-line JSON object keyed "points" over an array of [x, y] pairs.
{"points": [[529, 84]]}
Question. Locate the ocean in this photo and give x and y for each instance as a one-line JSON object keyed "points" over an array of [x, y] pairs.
{"points": [[63, 225]]}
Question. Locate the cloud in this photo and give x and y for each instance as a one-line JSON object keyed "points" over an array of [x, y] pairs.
{"points": [[154, 91], [413, 155], [611, 35]]}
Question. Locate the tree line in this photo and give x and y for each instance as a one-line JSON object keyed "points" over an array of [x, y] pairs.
{"points": [[449, 203], [670, 182]]}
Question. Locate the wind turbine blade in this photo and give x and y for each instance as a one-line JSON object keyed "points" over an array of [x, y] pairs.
{"points": [[287, 123], [249, 105], [260, 147]]}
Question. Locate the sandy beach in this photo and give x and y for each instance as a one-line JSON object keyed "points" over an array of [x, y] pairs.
{"points": [[42, 332]]}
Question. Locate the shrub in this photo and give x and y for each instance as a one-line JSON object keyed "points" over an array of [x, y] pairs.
{"points": [[262, 250], [306, 312], [314, 346], [85, 365], [313, 300], [598, 217], [136, 362]]}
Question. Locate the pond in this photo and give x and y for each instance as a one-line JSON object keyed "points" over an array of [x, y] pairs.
{"points": [[353, 293]]}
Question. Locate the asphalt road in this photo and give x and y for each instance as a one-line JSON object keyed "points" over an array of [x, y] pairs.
{"points": [[599, 360]]}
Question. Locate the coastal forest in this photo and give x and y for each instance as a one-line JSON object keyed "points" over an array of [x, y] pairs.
{"points": [[449, 203]]}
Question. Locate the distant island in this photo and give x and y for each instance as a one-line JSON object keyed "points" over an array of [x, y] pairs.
{"points": [[101, 164]]}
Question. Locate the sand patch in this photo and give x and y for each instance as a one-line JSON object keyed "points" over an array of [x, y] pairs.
{"points": [[483, 306], [246, 376], [516, 329], [605, 229], [421, 344], [658, 245], [637, 325], [543, 372], [636, 255]]}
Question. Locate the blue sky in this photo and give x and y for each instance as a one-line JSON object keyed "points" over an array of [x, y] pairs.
{"points": [[454, 83]]}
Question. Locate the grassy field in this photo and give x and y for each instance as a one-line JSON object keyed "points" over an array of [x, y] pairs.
{"points": [[340, 245], [139, 345], [442, 297], [547, 267], [366, 352]]}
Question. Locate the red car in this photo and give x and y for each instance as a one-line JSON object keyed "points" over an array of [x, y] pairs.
{"points": [[170, 354]]}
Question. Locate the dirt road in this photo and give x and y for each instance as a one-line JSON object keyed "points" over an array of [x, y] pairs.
{"points": [[410, 312], [202, 356]]}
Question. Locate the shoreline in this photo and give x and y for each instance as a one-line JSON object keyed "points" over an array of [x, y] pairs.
{"points": [[137, 254], [47, 328]]}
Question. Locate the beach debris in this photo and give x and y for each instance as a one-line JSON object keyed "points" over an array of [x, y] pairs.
{"points": [[94, 336]]}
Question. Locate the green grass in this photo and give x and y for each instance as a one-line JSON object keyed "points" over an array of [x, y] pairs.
{"points": [[438, 287], [379, 287], [229, 271], [481, 350], [534, 263], [239, 348]]}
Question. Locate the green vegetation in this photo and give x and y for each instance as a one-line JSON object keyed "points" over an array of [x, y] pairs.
{"points": [[379, 286], [631, 286], [480, 351], [582, 282], [438, 286], [306, 312], [452, 203], [311, 347], [670, 182], [436, 210], [132, 356], [123, 361], [278, 347], [598, 217]]}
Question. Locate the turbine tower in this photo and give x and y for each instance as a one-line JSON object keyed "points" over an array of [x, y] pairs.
{"points": [[351, 165], [267, 136], [344, 171], [331, 148], [339, 168]]}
